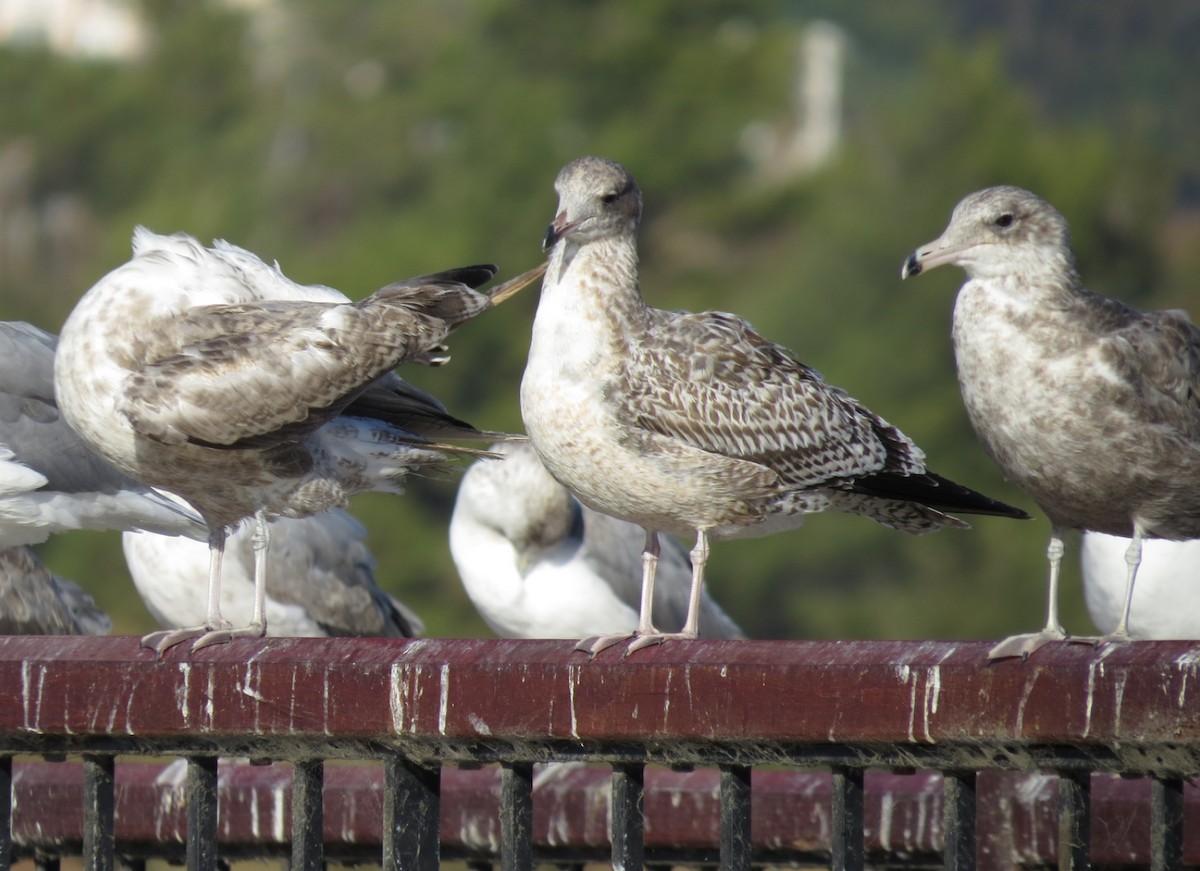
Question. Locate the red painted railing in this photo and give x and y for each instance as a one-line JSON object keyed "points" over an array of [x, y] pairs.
{"points": [[1077, 754]]}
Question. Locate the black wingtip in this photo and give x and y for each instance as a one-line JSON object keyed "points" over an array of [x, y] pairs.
{"points": [[936, 492]]}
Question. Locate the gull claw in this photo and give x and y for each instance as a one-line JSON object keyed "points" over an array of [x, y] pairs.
{"points": [[1025, 645]]}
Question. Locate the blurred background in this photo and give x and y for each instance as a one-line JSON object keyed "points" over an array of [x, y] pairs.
{"points": [[791, 154]]}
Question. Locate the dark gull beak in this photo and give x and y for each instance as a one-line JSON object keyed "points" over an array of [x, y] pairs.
{"points": [[558, 228], [936, 253]]}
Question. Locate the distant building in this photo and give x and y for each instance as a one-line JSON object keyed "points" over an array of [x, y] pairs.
{"points": [[97, 29], [809, 139]]}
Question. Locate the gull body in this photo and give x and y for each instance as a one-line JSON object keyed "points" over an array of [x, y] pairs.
{"points": [[1088, 404], [538, 564], [1166, 600], [693, 423], [50, 481], [33, 601], [320, 580], [210, 374]]}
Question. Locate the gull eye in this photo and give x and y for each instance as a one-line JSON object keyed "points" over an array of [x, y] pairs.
{"points": [[610, 197], [1005, 220]]}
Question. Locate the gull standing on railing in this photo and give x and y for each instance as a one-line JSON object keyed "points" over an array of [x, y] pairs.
{"points": [[208, 373], [1090, 405], [694, 423]]}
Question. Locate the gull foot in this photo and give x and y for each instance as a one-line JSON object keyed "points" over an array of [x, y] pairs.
{"points": [[1024, 645], [652, 638], [165, 639], [225, 635], [596, 643]]}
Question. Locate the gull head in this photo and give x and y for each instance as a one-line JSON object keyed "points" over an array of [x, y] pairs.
{"points": [[996, 233], [516, 497], [596, 198]]}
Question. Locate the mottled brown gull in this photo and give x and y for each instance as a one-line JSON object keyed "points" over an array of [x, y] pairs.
{"points": [[320, 580], [1088, 404], [210, 374], [538, 564], [50, 481], [694, 423]]}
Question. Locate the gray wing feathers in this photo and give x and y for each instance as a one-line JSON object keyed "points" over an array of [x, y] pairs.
{"points": [[35, 602], [322, 563]]}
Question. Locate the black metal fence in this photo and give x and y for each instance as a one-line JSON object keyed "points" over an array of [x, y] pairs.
{"points": [[913, 754]]}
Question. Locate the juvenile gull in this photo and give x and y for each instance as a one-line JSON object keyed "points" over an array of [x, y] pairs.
{"points": [[212, 375], [50, 481], [1088, 404], [538, 564], [694, 423], [33, 601], [1166, 602], [320, 580]]}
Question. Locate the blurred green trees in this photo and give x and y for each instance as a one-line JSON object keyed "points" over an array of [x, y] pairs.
{"points": [[360, 142]]}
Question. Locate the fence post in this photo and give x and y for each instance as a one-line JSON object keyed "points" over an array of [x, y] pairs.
{"points": [[308, 815], [98, 813], [516, 816], [1074, 820], [628, 824], [848, 835], [1166, 823], [958, 796], [411, 816], [6, 802], [201, 791]]}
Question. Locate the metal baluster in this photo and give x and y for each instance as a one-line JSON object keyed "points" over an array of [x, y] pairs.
{"points": [[411, 816], [1166, 823], [201, 798], [848, 852], [308, 815], [958, 796], [516, 816], [98, 813], [735, 818], [628, 824], [1074, 820], [6, 800]]}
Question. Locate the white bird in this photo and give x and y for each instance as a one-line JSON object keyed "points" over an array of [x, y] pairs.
{"points": [[694, 423], [320, 580], [50, 481], [538, 564], [1090, 405], [33, 601], [210, 374], [1166, 601]]}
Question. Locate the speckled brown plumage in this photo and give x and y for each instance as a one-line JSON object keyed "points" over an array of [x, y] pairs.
{"points": [[208, 373], [695, 423]]}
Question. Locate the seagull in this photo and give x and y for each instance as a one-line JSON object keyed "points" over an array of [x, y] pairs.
{"points": [[1090, 405], [320, 580], [1166, 603], [694, 423], [538, 564], [33, 601], [50, 481], [210, 374]]}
